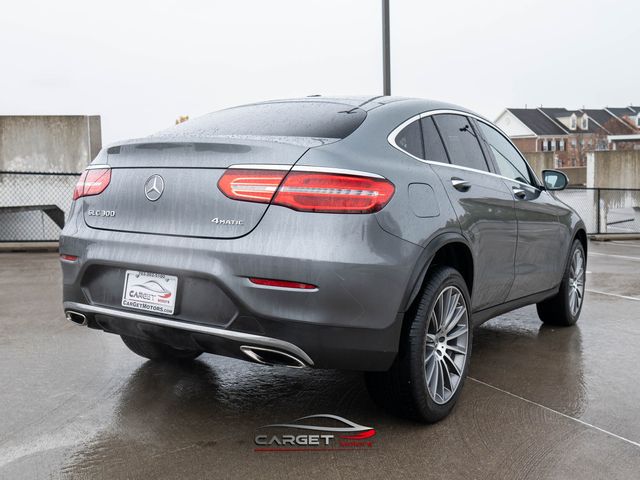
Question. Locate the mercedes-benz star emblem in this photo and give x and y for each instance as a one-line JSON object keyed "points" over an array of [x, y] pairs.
{"points": [[153, 187]]}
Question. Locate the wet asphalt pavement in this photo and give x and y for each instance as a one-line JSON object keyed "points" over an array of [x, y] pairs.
{"points": [[541, 402]]}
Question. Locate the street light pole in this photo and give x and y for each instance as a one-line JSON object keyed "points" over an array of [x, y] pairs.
{"points": [[386, 53]]}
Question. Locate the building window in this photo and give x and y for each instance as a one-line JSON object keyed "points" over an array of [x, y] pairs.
{"points": [[573, 142], [553, 145], [584, 122], [544, 145], [561, 145], [573, 122]]}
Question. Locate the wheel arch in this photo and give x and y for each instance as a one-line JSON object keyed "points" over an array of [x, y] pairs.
{"points": [[581, 234], [449, 249]]}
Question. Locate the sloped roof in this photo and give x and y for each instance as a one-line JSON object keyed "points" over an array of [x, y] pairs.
{"points": [[557, 113], [622, 111], [537, 121], [603, 116], [599, 115]]}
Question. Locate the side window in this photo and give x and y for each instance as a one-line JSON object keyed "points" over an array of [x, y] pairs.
{"points": [[461, 141], [433, 148], [508, 161], [410, 139]]}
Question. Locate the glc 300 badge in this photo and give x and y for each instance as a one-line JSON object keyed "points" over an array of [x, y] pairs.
{"points": [[101, 213], [226, 221]]}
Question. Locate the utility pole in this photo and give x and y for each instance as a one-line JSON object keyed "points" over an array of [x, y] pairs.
{"points": [[386, 52]]}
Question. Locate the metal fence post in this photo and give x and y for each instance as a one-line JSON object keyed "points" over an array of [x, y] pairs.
{"points": [[598, 211]]}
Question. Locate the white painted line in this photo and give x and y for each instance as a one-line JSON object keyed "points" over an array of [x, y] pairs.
{"points": [[616, 256], [626, 244], [582, 422], [613, 295]]}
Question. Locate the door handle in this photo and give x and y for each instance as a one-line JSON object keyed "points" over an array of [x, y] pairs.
{"points": [[460, 185], [519, 193]]}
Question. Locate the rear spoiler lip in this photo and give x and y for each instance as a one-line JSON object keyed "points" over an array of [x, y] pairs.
{"points": [[308, 142]]}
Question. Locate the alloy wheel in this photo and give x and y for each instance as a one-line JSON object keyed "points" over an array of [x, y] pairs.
{"points": [[576, 281], [446, 345]]}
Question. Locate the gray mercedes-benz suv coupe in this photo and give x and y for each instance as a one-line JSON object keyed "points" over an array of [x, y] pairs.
{"points": [[355, 233]]}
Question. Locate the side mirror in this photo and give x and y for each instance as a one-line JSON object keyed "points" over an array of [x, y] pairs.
{"points": [[554, 180]]}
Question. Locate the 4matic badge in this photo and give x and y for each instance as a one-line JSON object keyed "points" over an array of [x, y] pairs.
{"points": [[226, 221], [314, 432]]}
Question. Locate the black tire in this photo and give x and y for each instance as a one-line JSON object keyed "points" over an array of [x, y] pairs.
{"points": [[403, 389], [557, 310], [158, 351]]}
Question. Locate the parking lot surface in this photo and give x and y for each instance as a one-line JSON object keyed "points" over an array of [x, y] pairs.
{"points": [[540, 402]]}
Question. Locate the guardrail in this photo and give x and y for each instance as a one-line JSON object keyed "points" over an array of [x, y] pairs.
{"points": [[33, 205]]}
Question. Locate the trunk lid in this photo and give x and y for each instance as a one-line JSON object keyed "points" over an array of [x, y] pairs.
{"points": [[186, 173]]}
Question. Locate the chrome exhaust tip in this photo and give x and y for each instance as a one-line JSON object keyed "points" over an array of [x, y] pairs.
{"points": [[75, 317], [269, 356]]}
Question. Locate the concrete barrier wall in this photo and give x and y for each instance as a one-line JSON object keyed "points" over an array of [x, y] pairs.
{"points": [[39, 143], [613, 169], [540, 161], [49, 145], [577, 175]]}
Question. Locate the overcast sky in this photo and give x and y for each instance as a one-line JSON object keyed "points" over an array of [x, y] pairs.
{"points": [[141, 64]]}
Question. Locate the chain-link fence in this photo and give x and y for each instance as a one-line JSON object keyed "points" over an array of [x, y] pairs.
{"points": [[33, 205], [605, 210]]}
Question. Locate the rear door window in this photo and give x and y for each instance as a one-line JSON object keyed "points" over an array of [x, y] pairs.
{"points": [[433, 147], [461, 141], [410, 139]]}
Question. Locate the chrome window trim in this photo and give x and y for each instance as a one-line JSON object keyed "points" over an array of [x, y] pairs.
{"points": [[249, 338], [259, 166], [306, 168], [96, 166], [340, 171], [391, 138]]}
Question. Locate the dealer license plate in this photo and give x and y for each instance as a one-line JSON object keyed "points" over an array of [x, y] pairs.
{"points": [[152, 292]]}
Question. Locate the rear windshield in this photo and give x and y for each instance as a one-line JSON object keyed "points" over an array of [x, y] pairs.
{"points": [[287, 119]]}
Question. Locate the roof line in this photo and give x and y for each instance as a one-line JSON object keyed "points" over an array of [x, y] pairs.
{"points": [[554, 121], [618, 118], [594, 121], [533, 133]]}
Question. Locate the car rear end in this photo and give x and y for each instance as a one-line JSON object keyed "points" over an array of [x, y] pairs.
{"points": [[218, 237]]}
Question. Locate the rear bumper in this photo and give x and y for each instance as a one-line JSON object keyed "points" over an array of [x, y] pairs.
{"points": [[352, 321], [136, 324]]}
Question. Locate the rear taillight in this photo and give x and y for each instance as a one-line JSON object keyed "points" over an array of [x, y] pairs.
{"points": [[251, 185], [308, 191], [92, 182]]}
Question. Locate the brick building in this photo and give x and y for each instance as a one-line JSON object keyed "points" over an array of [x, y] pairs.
{"points": [[572, 133]]}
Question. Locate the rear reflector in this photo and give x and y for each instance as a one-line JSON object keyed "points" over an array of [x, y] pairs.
{"points": [[308, 191], [68, 258], [268, 282], [93, 181]]}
